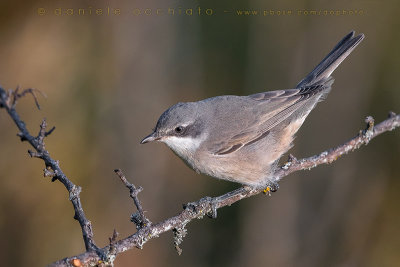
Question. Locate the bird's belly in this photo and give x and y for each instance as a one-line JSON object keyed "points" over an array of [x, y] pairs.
{"points": [[252, 165], [250, 170]]}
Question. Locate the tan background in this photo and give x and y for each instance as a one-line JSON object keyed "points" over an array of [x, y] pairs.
{"points": [[108, 78]]}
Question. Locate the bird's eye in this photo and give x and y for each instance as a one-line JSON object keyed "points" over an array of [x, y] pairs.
{"points": [[179, 129]]}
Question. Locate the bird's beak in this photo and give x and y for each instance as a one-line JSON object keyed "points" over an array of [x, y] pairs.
{"points": [[150, 138]]}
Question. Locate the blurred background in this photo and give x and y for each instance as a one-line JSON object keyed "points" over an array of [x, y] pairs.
{"points": [[109, 74]]}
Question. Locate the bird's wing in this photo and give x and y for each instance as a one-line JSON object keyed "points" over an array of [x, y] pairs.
{"points": [[269, 109], [279, 105]]}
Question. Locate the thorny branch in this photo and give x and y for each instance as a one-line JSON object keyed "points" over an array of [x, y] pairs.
{"points": [[8, 101], [205, 206]]}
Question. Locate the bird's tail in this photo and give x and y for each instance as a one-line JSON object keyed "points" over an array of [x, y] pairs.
{"points": [[323, 70]]}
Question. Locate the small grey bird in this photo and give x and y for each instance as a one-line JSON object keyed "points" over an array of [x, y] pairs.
{"points": [[241, 138]]}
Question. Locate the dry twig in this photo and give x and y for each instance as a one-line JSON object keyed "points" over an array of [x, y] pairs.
{"points": [[8, 101], [138, 218]]}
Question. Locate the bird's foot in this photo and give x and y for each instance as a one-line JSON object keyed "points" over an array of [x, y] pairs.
{"points": [[272, 187]]}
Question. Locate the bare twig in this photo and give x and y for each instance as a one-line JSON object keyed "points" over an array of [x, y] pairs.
{"points": [[14, 95], [139, 219], [204, 206]]}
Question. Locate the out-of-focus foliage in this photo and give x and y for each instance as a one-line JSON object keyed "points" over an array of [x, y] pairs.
{"points": [[109, 76]]}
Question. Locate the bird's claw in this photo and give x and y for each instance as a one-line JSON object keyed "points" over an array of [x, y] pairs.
{"points": [[273, 187]]}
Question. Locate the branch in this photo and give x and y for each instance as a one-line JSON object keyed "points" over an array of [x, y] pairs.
{"points": [[138, 218], [8, 101], [205, 206], [329, 156]]}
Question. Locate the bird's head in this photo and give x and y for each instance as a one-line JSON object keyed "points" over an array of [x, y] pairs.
{"points": [[181, 128]]}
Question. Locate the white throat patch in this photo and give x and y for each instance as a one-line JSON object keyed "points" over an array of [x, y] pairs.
{"points": [[183, 146]]}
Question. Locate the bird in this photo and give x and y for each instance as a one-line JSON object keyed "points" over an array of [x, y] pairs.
{"points": [[242, 138]]}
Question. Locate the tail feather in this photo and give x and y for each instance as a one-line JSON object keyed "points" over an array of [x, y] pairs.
{"points": [[323, 70]]}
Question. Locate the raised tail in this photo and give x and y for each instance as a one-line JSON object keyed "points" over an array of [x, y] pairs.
{"points": [[323, 70]]}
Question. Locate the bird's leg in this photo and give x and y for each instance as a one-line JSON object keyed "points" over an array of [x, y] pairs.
{"points": [[214, 201]]}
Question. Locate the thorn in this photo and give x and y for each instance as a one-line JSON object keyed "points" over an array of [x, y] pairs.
{"points": [[50, 131], [34, 154], [112, 252], [14, 95], [114, 236], [21, 136]]}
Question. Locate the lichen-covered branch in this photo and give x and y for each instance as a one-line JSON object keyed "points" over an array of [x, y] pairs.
{"points": [[205, 206]]}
